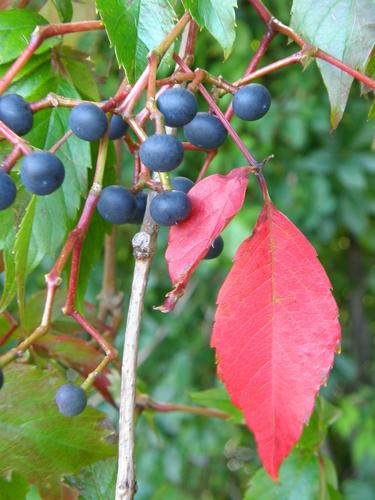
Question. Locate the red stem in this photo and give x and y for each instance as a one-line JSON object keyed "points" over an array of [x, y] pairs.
{"points": [[297, 57], [259, 53], [9, 161], [12, 328], [41, 33], [14, 139], [278, 26], [249, 157]]}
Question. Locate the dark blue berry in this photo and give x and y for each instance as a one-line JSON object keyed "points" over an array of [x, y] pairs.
{"points": [[117, 127], [161, 152], [169, 207], [88, 122], [70, 399], [8, 190], [140, 208], [182, 184], [251, 102], [116, 204], [42, 172], [205, 131], [215, 249], [178, 105], [1, 378], [16, 113]]}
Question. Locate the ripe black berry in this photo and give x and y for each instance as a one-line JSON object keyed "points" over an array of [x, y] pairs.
{"points": [[215, 249], [140, 208], [42, 172], [88, 122], [182, 184], [1, 378], [116, 204], [205, 131], [178, 105], [161, 152], [16, 113], [169, 207], [8, 190], [117, 127], [251, 102], [70, 399]]}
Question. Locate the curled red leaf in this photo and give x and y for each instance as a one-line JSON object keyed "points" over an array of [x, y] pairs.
{"points": [[215, 201], [276, 331]]}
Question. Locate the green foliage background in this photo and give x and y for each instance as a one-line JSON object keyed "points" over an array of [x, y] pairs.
{"points": [[325, 182]]}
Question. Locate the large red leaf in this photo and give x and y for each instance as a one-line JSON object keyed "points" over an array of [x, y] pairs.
{"points": [[215, 201], [275, 333]]}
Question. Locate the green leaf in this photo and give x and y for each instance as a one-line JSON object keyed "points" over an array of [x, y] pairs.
{"points": [[21, 249], [97, 481], [30, 66], [315, 431], [218, 398], [60, 324], [135, 28], [80, 70], [344, 29], [64, 9], [218, 17], [16, 27], [45, 444], [299, 478], [16, 487], [9, 289], [63, 204], [10, 222]]}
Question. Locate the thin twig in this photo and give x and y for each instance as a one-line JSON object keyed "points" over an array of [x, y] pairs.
{"points": [[146, 403], [143, 247]]}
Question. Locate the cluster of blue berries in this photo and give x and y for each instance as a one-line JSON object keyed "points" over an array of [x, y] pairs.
{"points": [[43, 173]]}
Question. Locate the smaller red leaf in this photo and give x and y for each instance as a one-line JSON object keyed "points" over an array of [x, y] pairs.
{"points": [[215, 201]]}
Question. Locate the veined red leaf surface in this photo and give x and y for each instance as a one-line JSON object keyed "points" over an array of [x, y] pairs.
{"points": [[215, 201], [276, 331]]}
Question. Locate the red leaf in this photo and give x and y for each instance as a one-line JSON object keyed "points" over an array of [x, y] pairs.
{"points": [[215, 200], [275, 333]]}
